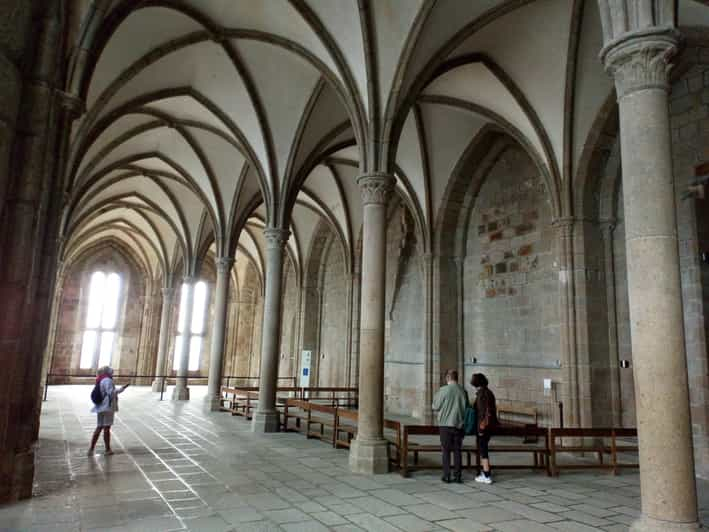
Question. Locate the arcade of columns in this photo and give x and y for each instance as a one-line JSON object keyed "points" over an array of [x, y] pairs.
{"points": [[638, 57]]}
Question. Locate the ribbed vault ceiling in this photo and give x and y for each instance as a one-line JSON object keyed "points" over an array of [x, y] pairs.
{"points": [[207, 120]]}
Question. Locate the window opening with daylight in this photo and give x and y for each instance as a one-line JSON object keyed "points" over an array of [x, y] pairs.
{"points": [[101, 320], [195, 334]]}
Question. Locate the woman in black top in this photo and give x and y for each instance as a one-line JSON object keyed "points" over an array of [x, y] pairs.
{"points": [[486, 411]]}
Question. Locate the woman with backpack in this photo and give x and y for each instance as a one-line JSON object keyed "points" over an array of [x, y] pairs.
{"points": [[105, 399], [486, 411]]}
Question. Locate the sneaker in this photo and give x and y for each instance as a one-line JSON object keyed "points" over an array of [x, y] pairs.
{"points": [[446, 479], [483, 479]]}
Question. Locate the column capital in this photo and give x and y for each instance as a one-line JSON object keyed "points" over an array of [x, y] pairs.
{"points": [[276, 238], [376, 188], [641, 60], [224, 264]]}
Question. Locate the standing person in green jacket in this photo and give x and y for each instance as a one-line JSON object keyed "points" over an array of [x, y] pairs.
{"points": [[450, 402]]}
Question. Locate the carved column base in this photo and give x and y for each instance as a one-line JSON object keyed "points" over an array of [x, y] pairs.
{"points": [[266, 422], [369, 457], [181, 393], [648, 524]]}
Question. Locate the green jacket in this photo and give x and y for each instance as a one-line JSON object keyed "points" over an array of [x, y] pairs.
{"points": [[450, 402]]}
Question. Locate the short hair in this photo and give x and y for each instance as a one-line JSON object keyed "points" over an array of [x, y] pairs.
{"points": [[478, 380], [452, 375]]}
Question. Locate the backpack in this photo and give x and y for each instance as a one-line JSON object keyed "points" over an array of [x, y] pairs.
{"points": [[470, 421], [97, 394]]}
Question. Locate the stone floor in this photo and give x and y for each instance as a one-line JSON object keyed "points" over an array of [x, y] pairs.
{"points": [[178, 468]]}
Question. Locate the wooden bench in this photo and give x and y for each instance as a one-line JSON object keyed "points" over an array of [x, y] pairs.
{"points": [[530, 436], [408, 446], [296, 409], [347, 429], [598, 441], [321, 416], [513, 415], [242, 401], [539, 453], [332, 396], [393, 441]]}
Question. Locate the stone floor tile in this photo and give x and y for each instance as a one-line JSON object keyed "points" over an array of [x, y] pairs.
{"points": [[592, 510], [432, 512], [527, 511], [329, 518], [241, 515], [574, 526], [258, 526], [463, 525], [550, 507], [488, 514], [345, 509], [178, 465], [395, 497], [305, 526], [582, 517], [448, 500], [411, 523], [376, 506], [523, 525], [371, 523], [289, 515]]}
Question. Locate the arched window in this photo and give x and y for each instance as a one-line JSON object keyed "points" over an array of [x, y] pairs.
{"points": [[101, 320], [195, 334]]}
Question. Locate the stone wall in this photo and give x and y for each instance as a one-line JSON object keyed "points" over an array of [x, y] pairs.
{"points": [[332, 361], [689, 110], [289, 323], [625, 352], [404, 311], [511, 290], [126, 357]]}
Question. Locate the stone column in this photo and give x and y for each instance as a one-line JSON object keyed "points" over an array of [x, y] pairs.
{"points": [[639, 60], [181, 391], [368, 453], [168, 299], [426, 412], [216, 358], [266, 417], [607, 230], [567, 300]]}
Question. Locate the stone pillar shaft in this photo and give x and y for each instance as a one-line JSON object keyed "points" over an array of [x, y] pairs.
{"points": [[168, 299], [181, 391], [640, 64], [216, 359], [368, 453], [266, 417]]}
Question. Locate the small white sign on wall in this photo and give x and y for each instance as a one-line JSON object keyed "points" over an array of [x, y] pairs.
{"points": [[305, 368]]}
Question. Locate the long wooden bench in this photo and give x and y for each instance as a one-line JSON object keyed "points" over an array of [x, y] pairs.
{"points": [[539, 452], [241, 402], [296, 409], [345, 427], [598, 441], [515, 415], [332, 396], [322, 416]]}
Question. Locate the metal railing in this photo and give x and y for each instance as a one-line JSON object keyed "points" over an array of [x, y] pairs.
{"points": [[166, 378]]}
